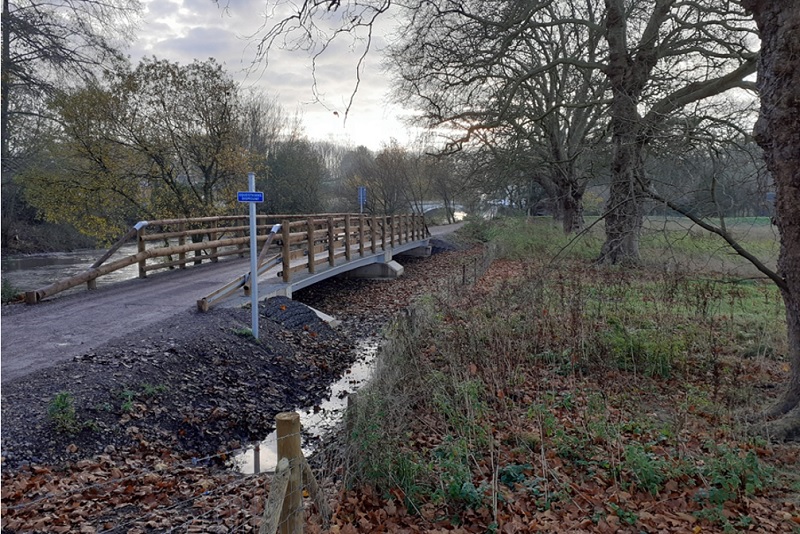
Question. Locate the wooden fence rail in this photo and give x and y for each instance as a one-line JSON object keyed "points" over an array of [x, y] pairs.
{"points": [[178, 243]]}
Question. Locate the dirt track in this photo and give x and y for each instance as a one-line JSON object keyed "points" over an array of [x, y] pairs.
{"points": [[58, 329]]}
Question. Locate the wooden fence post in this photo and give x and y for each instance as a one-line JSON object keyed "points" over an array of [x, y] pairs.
{"points": [[361, 235], [285, 256], [331, 243], [241, 233], [212, 236], [288, 436], [374, 234], [181, 242]]}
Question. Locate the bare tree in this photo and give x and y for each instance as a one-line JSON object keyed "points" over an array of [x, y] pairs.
{"points": [[518, 75], [49, 42], [46, 43], [663, 56], [314, 26]]}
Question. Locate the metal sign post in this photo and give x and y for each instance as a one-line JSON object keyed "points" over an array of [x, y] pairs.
{"points": [[362, 197], [251, 197]]}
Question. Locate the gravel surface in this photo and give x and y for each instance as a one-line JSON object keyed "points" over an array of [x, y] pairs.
{"points": [[198, 383]]}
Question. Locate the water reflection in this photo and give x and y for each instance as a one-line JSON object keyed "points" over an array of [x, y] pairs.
{"points": [[322, 419]]}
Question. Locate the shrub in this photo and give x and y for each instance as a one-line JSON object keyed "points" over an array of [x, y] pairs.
{"points": [[61, 412]]}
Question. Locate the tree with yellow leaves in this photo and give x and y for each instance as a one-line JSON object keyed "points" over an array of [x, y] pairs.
{"points": [[162, 140]]}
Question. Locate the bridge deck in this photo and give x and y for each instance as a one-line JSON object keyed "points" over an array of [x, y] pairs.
{"points": [[58, 329], [271, 284]]}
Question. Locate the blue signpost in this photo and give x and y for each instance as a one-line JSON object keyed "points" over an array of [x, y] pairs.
{"points": [[252, 197], [362, 197]]}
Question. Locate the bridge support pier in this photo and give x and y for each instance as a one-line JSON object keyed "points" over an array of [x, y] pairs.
{"points": [[390, 269], [419, 252]]}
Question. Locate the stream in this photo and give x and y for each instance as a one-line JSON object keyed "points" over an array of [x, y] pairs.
{"points": [[27, 273], [316, 421]]}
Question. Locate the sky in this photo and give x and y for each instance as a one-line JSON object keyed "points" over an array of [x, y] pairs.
{"points": [[184, 30]]}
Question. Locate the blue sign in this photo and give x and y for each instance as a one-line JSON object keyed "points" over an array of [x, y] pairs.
{"points": [[250, 196], [362, 197]]}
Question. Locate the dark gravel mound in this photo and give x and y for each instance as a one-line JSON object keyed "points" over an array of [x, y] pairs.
{"points": [[197, 384], [440, 245], [292, 315]]}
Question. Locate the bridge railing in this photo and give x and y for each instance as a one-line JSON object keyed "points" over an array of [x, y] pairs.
{"points": [[343, 236], [178, 243]]}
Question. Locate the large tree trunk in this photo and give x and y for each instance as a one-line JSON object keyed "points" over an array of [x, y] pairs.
{"points": [[5, 89], [628, 72], [572, 208], [777, 132], [624, 210]]}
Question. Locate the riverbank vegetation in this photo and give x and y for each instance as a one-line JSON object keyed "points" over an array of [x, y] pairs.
{"points": [[558, 396]]}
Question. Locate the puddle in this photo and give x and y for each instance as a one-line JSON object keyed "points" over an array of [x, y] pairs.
{"points": [[317, 420]]}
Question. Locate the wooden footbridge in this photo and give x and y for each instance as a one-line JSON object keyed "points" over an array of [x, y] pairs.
{"points": [[295, 251]]}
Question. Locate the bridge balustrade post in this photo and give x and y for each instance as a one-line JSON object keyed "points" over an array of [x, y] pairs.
{"points": [[140, 246], [212, 236], [181, 242], [392, 220], [286, 252], [312, 252], [347, 237], [374, 234], [241, 234], [361, 235], [413, 227], [331, 243]]}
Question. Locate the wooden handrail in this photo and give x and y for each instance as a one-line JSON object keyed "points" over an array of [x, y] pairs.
{"points": [[298, 236]]}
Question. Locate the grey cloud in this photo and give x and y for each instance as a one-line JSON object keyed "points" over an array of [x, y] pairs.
{"points": [[218, 33]]}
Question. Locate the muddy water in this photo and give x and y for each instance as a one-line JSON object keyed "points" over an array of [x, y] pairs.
{"points": [[317, 420]]}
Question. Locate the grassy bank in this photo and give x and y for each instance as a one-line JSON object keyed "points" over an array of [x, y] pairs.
{"points": [[558, 396]]}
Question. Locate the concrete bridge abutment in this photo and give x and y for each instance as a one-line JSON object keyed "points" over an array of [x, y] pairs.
{"points": [[390, 270]]}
